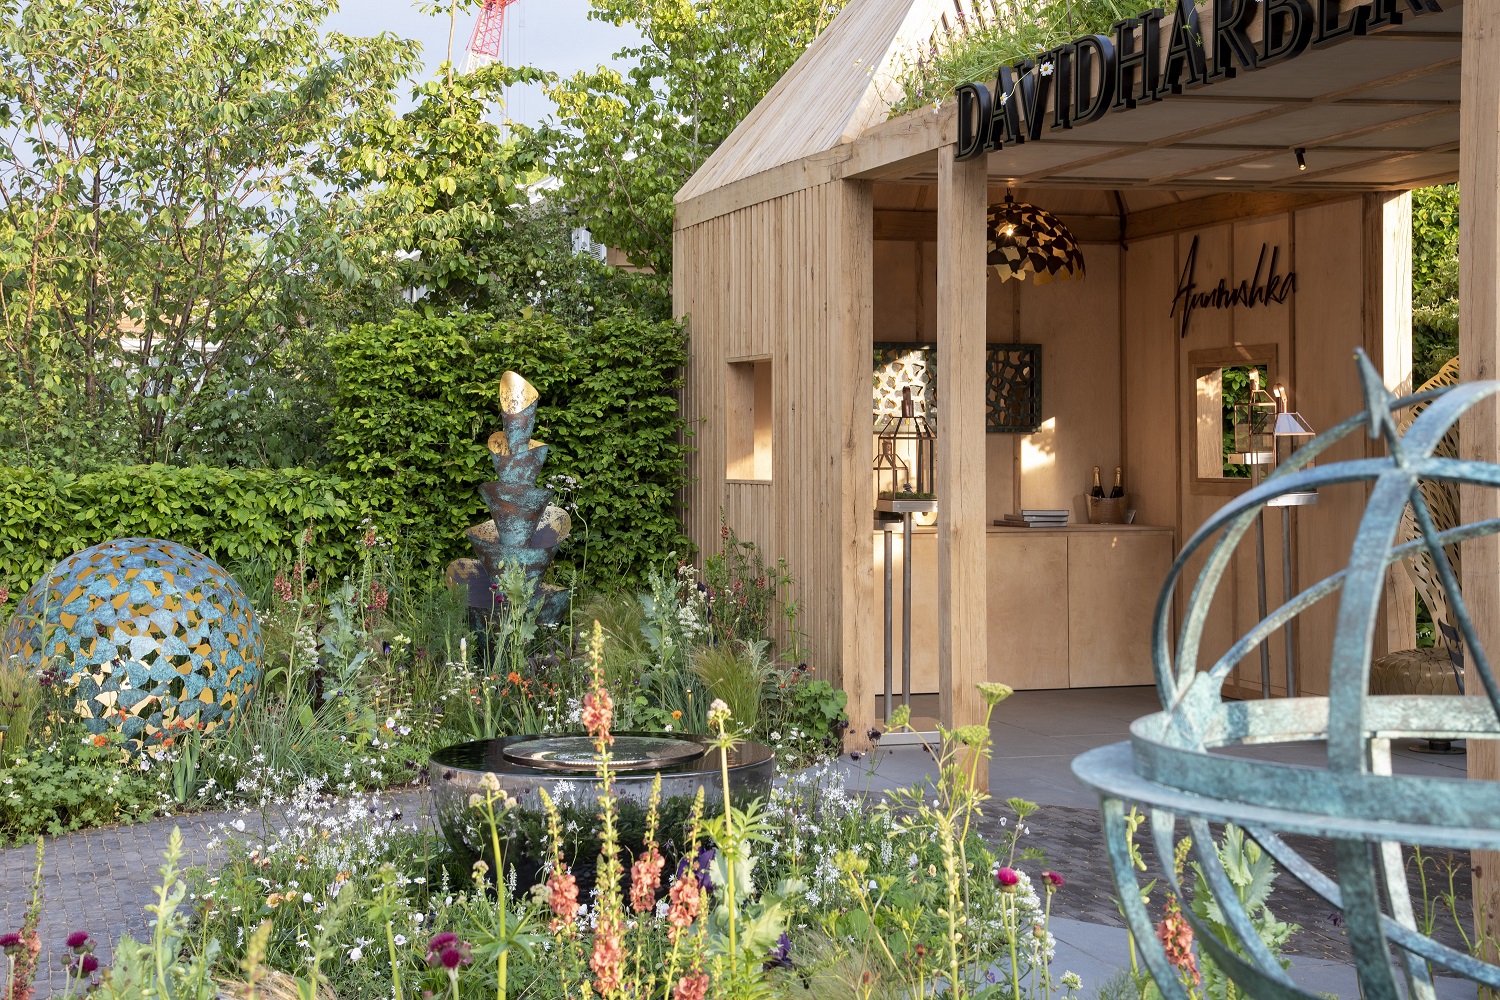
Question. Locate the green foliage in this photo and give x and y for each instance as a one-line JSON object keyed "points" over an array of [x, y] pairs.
{"points": [[417, 400], [1253, 875], [807, 714], [20, 699], [1434, 272], [69, 781], [737, 674], [232, 515], [626, 143], [989, 36], [168, 186]]}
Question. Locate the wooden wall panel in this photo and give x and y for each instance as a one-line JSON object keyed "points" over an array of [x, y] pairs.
{"points": [[1149, 381]]}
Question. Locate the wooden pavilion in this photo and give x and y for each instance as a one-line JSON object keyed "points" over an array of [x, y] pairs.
{"points": [[824, 227]]}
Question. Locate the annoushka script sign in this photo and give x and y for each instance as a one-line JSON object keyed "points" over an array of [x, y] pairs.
{"points": [[1092, 75], [1267, 286]]}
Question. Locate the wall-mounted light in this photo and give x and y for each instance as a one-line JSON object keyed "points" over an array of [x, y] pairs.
{"points": [[1301, 158]]}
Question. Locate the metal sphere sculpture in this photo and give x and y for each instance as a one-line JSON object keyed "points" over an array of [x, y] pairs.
{"points": [[150, 636], [1356, 802]]}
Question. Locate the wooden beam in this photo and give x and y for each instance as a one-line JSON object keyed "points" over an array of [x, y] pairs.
{"points": [[921, 226], [963, 654], [1388, 326], [1212, 210], [853, 330], [1479, 349]]}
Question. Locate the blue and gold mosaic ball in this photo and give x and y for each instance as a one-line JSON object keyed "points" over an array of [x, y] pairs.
{"points": [[149, 635]]}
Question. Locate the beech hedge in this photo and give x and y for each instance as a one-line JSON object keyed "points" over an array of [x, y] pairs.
{"points": [[416, 399]]}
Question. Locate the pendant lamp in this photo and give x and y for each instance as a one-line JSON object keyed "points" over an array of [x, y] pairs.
{"points": [[1025, 241]]}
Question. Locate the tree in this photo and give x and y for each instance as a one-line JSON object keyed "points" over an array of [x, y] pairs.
{"points": [[1434, 266], [175, 200], [625, 144]]}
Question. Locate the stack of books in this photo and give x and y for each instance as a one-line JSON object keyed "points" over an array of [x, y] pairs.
{"points": [[1037, 519]]}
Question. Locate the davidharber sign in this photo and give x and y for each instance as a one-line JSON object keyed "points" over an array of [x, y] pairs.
{"points": [[1092, 75]]}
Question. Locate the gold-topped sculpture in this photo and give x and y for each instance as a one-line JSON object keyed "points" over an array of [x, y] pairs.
{"points": [[525, 527]]}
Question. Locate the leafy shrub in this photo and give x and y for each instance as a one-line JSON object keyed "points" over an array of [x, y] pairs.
{"points": [[232, 515], [417, 399]]}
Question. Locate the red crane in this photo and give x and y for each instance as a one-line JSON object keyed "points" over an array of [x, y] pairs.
{"points": [[489, 30]]}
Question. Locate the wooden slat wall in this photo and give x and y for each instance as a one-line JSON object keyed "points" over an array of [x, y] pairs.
{"points": [[772, 281], [1315, 334]]}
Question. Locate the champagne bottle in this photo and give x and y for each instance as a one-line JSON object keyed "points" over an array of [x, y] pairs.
{"points": [[1098, 491], [1119, 489]]}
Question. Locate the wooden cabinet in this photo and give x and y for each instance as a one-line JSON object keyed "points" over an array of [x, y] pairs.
{"points": [[1067, 608]]}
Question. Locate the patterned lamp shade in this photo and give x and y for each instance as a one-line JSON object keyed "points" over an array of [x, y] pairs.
{"points": [[1025, 241]]}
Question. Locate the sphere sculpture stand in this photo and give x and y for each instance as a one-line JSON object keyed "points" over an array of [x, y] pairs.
{"points": [[525, 527], [1356, 802]]}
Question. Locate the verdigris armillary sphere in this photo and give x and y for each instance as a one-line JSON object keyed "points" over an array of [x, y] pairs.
{"points": [[1356, 802], [525, 527]]}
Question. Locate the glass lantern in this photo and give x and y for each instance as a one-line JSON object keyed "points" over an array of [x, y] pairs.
{"points": [[1255, 424], [905, 456]]}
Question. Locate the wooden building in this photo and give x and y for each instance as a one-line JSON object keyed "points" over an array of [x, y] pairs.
{"points": [[824, 227]]}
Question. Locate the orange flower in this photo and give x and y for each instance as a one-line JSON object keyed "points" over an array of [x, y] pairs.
{"points": [[513, 677], [676, 714], [99, 741]]}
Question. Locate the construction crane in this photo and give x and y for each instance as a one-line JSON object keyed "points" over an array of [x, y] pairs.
{"points": [[489, 31]]}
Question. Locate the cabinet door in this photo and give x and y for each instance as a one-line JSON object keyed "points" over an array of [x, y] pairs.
{"points": [[1028, 609], [1113, 582]]}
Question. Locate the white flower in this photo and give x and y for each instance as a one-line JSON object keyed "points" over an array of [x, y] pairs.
{"points": [[1046, 69], [390, 723], [307, 897], [400, 940], [356, 953]]}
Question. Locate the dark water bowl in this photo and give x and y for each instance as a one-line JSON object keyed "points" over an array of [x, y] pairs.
{"points": [[526, 764]]}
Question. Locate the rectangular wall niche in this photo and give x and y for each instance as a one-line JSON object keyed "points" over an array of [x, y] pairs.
{"points": [[1013, 384], [747, 420]]}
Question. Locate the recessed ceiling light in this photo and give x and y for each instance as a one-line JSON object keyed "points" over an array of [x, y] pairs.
{"points": [[1223, 178], [1259, 166]]}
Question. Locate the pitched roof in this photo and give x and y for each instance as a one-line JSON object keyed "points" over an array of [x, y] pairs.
{"points": [[841, 86]]}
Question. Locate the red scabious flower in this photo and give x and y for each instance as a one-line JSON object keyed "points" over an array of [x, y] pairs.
{"points": [[1054, 880], [78, 939], [90, 964], [1008, 878], [453, 956]]}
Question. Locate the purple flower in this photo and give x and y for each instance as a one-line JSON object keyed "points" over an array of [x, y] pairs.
{"points": [[1007, 878], [78, 939], [781, 951], [90, 964], [10, 941], [441, 941], [452, 957]]}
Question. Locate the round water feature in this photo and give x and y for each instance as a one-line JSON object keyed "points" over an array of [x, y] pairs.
{"points": [[566, 766]]}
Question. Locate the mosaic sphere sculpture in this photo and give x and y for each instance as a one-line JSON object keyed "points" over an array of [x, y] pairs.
{"points": [[1367, 813], [150, 636]]}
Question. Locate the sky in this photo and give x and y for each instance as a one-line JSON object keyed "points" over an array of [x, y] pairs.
{"points": [[554, 35]]}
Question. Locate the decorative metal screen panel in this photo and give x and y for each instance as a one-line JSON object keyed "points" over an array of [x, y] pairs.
{"points": [[1013, 384], [1013, 388]]}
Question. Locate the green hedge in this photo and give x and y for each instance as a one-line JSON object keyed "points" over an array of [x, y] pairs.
{"points": [[234, 515], [416, 400], [418, 397]]}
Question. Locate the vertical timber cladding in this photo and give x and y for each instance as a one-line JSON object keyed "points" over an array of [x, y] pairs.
{"points": [[790, 280], [1083, 80]]}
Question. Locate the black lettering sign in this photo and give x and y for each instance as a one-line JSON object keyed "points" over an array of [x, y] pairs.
{"points": [[1093, 78], [1232, 19], [1265, 288], [1095, 74]]}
